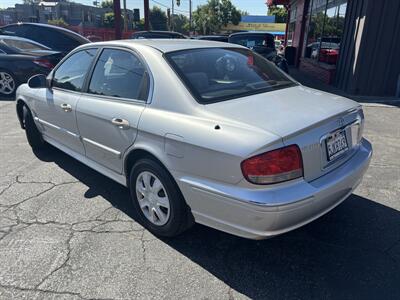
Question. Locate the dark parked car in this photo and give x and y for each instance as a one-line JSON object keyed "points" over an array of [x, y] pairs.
{"points": [[20, 59], [54, 37], [158, 35], [217, 38], [263, 44]]}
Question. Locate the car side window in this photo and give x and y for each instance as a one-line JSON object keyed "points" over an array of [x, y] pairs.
{"points": [[120, 74], [70, 75]]}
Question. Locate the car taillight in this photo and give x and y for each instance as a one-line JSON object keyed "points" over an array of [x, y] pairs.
{"points": [[274, 166], [44, 63]]}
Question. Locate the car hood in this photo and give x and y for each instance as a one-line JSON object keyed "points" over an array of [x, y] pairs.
{"points": [[283, 112]]}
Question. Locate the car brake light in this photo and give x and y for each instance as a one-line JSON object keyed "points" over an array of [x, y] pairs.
{"points": [[44, 63], [274, 166]]}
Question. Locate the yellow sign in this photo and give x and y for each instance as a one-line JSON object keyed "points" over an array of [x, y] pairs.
{"points": [[257, 26]]}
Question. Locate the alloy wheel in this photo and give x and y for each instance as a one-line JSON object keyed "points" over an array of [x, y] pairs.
{"points": [[7, 83], [153, 199]]}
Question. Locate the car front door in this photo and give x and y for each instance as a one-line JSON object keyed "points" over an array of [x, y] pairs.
{"points": [[56, 107], [109, 111]]}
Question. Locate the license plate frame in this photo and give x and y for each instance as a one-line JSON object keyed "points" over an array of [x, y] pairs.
{"points": [[336, 144]]}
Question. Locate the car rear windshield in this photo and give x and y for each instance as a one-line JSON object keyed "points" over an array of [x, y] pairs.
{"points": [[23, 45], [219, 74], [251, 40]]}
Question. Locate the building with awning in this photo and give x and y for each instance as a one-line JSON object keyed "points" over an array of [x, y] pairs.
{"points": [[352, 44]]}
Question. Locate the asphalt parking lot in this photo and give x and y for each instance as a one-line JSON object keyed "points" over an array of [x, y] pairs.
{"points": [[67, 232]]}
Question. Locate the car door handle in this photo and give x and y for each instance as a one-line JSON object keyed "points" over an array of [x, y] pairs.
{"points": [[66, 107], [121, 123]]}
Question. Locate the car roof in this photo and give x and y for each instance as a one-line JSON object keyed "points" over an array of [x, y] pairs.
{"points": [[158, 32], [169, 45], [68, 32]]}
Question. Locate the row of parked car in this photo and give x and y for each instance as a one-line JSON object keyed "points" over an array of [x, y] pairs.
{"points": [[261, 42], [27, 49]]}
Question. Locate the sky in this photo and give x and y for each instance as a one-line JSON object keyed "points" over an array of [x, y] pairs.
{"points": [[253, 7]]}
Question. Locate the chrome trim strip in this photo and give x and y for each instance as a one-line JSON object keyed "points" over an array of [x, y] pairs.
{"points": [[115, 99], [103, 147], [65, 90], [57, 127]]}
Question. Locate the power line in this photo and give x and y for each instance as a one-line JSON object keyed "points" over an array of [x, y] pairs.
{"points": [[159, 3], [166, 6]]}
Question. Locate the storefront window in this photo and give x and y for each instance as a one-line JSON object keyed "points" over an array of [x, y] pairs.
{"points": [[325, 30], [292, 25]]}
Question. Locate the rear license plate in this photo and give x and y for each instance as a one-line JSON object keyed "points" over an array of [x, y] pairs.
{"points": [[336, 144]]}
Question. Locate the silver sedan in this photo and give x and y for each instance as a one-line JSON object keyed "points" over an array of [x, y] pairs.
{"points": [[200, 131]]}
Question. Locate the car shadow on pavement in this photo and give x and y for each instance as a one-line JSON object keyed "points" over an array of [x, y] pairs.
{"points": [[352, 252]]}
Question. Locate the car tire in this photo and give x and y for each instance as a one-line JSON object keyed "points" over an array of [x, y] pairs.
{"points": [[9, 77], [33, 134], [169, 224]]}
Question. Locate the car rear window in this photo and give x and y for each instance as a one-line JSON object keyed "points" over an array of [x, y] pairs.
{"points": [[251, 40], [23, 45], [219, 74]]}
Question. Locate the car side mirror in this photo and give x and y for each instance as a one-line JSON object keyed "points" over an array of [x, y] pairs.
{"points": [[37, 81]]}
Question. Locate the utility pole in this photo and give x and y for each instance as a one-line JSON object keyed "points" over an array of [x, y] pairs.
{"points": [[172, 15], [125, 17], [169, 18], [117, 19], [190, 16], [146, 15]]}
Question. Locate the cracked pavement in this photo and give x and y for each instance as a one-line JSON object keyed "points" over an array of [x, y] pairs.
{"points": [[67, 232]]}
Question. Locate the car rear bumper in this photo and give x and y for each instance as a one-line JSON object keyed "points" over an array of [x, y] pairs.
{"points": [[266, 212]]}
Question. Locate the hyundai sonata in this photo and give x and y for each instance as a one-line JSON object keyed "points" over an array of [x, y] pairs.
{"points": [[200, 131]]}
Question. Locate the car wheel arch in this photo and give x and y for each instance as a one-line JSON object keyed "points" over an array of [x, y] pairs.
{"points": [[20, 112], [136, 154]]}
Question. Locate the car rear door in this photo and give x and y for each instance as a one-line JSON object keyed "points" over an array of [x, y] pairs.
{"points": [[109, 111], [56, 109]]}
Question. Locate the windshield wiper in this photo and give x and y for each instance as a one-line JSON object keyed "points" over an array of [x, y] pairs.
{"points": [[261, 84]]}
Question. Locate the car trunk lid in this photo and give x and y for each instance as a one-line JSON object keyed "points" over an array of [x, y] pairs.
{"points": [[299, 116]]}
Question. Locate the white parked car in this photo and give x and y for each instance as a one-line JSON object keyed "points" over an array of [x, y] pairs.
{"points": [[200, 131]]}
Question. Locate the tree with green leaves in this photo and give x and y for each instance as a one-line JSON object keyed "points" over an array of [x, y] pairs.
{"points": [[180, 23], [58, 22], [210, 17], [279, 12], [108, 20], [158, 19], [107, 4]]}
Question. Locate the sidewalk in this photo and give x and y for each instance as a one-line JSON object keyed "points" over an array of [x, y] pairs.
{"points": [[311, 82]]}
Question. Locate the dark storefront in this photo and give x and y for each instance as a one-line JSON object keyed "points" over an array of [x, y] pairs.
{"points": [[352, 44]]}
